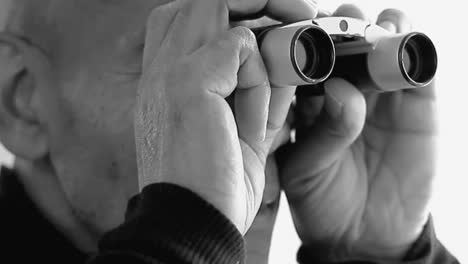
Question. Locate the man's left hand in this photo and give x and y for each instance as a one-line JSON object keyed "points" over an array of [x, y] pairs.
{"points": [[359, 183]]}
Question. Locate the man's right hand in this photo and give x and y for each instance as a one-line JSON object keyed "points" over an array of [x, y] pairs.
{"points": [[186, 133]]}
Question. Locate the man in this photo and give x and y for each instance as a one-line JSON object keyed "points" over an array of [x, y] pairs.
{"points": [[104, 100]]}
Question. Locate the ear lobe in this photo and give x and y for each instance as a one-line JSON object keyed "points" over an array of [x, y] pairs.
{"points": [[21, 131]]}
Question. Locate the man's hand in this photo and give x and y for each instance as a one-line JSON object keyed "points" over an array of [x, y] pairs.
{"points": [[359, 183], [258, 239], [186, 133]]}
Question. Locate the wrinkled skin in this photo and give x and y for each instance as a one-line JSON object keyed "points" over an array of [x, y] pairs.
{"points": [[84, 61], [359, 180]]}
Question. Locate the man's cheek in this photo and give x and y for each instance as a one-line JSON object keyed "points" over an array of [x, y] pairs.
{"points": [[114, 106]]}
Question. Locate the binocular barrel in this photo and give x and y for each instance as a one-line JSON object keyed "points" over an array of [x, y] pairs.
{"points": [[392, 63], [306, 55]]}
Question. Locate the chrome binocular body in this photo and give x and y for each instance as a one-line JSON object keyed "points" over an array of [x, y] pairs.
{"points": [[307, 53]]}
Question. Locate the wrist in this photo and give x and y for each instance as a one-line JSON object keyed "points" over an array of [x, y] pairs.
{"points": [[388, 253], [338, 254], [387, 248], [389, 243], [371, 250]]}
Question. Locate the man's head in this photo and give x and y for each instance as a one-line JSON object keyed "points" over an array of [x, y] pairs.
{"points": [[70, 70]]}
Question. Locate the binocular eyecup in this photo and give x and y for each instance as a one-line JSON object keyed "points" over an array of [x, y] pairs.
{"points": [[297, 55], [418, 59]]}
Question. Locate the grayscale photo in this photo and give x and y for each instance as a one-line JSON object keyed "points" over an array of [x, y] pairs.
{"points": [[233, 131]]}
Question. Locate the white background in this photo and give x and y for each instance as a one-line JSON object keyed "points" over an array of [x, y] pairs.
{"points": [[444, 22]]}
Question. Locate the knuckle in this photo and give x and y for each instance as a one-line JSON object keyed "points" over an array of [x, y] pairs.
{"points": [[235, 40], [244, 32], [274, 126], [222, 44], [243, 36]]}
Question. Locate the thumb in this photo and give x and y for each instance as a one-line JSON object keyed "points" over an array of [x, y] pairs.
{"points": [[394, 21], [337, 127]]}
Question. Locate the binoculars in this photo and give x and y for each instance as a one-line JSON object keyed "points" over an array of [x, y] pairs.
{"points": [[306, 53]]}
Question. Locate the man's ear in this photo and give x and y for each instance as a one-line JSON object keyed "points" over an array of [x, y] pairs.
{"points": [[21, 130]]}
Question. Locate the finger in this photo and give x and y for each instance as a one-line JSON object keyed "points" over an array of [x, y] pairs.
{"points": [[272, 190], [251, 107], [196, 23], [283, 10], [335, 130], [281, 138], [350, 10], [258, 238], [157, 27], [428, 92], [235, 62], [308, 109], [253, 94], [280, 103], [323, 13], [255, 23], [265, 21], [372, 100], [394, 20]]}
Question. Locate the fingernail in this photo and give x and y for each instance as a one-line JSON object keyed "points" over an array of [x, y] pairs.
{"points": [[389, 26], [333, 105]]}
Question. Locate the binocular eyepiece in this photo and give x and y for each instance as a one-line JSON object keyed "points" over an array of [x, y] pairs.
{"points": [[309, 52], [297, 55], [418, 59]]}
